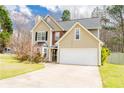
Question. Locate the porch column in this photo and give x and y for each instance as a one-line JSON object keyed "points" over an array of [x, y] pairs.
{"points": [[50, 55], [58, 54]]}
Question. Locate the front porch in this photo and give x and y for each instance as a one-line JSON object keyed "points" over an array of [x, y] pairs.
{"points": [[49, 53], [54, 55]]}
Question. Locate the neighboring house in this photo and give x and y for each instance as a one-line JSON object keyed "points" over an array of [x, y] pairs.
{"points": [[68, 42]]}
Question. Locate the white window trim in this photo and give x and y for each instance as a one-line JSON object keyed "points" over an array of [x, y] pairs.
{"points": [[75, 34], [37, 35]]}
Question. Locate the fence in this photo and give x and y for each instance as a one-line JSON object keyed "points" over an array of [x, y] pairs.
{"points": [[116, 58], [114, 42]]}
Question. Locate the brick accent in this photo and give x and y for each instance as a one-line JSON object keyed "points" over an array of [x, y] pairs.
{"points": [[53, 35]]}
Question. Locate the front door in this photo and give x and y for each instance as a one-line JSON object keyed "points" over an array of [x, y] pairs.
{"points": [[54, 55]]}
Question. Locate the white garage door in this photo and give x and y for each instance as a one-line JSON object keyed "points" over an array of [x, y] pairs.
{"points": [[80, 56]]}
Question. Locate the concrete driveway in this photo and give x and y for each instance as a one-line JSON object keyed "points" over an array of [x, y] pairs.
{"points": [[57, 75]]}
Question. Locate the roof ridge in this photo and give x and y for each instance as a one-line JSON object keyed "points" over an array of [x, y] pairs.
{"points": [[77, 19]]}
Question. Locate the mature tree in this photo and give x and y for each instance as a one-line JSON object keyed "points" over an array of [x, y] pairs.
{"points": [[21, 43], [116, 13], [5, 21], [4, 39], [5, 26], [66, 15], [97, 12], [101, 13], [111, 28]]}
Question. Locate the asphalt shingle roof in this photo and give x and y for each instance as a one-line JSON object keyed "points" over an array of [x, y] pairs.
{"points": [[89, 23]]}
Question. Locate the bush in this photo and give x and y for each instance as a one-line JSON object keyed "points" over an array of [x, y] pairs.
{"points": [[23, 57], [37, 58], [104, 55]]}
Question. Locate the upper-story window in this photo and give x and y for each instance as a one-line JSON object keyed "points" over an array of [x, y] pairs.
{"points": [[41, 35], [77, 33], [57, 36]]}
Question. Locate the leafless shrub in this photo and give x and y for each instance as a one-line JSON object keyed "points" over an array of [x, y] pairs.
{"points": [[21, 44]]}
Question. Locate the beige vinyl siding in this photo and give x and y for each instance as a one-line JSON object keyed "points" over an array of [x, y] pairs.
{"points": [[53, 24], [42, 27], [86, 40], [94, 32]]}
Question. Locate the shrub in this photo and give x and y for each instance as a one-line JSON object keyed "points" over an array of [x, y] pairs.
{"points": [[27, 62], [104, 55], [23, 57], [37, 58]]}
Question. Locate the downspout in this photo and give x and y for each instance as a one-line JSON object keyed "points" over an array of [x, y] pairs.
{"points": [[99, 62], [50, 54]]}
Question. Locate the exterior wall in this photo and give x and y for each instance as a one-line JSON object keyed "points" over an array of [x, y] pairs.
{"points": [[86, 40], [53, 24], [53, 33], [94, 32], [41, 27]]}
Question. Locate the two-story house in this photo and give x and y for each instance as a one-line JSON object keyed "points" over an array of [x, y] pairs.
{"points": [[68, 42]]}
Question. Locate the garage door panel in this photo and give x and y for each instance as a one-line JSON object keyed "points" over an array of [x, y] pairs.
{"points": [[81, 56]]}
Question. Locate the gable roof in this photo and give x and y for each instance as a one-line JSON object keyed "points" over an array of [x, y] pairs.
{"points": [[43, 22], [53, 21], [89, 23], [77, 23]]}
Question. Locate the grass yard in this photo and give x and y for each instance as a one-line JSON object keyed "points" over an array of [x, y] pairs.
{"points": [[10, 66], [112, 75]]}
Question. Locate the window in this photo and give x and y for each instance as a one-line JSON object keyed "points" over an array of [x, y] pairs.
{"points": [[57, 36], [77, 34], [42, 36]]}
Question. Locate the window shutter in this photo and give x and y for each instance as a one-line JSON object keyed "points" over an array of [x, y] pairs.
{"points": [[36, 36], [46, 35]]}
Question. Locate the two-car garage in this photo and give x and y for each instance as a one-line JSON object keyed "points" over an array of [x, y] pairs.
{"points": [[80, 56], [86, 50]]}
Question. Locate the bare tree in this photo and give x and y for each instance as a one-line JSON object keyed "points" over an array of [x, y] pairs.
{"points": [[21, 38], [21, 43]]}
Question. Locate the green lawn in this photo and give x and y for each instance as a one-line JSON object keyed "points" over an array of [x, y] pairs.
{"points": [[112, 75], [10, 66]]}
